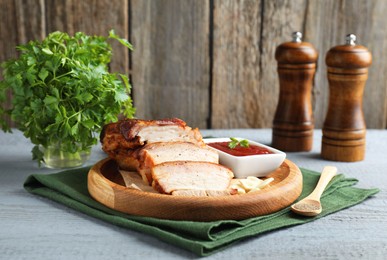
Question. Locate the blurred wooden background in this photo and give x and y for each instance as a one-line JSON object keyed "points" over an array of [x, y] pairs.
{"points": [[211, 62]]}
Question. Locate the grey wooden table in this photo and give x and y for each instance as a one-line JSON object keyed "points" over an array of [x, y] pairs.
{"points": [[36, 228]]}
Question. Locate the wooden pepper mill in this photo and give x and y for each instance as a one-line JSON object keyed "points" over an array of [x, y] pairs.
{"points": [[293, 121], [344, 128]]}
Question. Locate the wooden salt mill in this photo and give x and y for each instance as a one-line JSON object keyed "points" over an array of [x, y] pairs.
{"points": [[344, 128], [293, 121]]}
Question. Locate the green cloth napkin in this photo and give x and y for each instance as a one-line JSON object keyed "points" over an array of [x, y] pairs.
{"points": [[203, 238]]}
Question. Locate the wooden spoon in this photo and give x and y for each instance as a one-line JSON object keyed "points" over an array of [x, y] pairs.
{"points": [[310, 206]]}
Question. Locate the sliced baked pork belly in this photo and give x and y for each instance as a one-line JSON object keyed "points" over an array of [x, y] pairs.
{"points": [[134, 133], [122, 139], [156, 153], [168, 155], [173, 176]]}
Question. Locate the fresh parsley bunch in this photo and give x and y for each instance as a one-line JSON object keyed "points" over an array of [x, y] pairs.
{"points": [[63, 92]]}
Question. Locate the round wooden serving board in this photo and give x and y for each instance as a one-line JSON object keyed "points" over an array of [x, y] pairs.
{"points": [[106, 185]]}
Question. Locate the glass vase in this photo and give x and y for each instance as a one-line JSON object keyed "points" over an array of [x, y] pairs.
{"points": [[55, 158]]}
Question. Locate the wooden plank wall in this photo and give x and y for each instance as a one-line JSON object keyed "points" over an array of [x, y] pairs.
{"points": [[211, 62]]}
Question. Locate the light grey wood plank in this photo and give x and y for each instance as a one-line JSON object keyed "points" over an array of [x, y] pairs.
{"points": [[30, 20], [170, 63], [236, 63]]}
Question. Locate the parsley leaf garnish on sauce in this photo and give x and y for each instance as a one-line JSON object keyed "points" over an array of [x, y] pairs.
{"points": [[235, 142]]}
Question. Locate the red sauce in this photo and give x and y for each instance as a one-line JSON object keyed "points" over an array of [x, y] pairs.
{"points": [[239, 150]]}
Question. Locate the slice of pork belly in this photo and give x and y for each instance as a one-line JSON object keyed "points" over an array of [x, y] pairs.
{"points": [[134, 133], [172, 176], [156, 153]]}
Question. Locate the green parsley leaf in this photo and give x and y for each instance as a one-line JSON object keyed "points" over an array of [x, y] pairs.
{"points": [[244, 143], [43, 74], [235, 142], [50, 100], [47, 51], [124, 42]]}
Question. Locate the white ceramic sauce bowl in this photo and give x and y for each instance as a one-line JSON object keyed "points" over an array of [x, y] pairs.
{"points": [[251, 165]]}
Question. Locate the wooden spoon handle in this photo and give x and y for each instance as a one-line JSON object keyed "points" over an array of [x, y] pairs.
{"points": [[326, 176]]}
